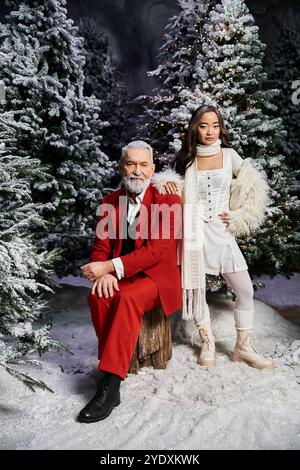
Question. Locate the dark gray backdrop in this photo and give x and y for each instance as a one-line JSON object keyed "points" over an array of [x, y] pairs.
{"points": [[136, 27]]}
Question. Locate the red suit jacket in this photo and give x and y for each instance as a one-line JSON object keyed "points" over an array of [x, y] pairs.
{"points": [[154, 255]]}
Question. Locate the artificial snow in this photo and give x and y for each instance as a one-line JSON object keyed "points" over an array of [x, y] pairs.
{"points": [[185, 406]]}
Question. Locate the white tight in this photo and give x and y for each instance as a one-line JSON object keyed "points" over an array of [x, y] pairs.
{"points": [[241, 284]]}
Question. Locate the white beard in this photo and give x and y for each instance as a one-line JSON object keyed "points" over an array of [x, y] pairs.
{"points": [[136, 185]]}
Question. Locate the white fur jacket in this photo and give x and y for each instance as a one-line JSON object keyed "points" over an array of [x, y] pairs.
{"points": [[248, 197]]}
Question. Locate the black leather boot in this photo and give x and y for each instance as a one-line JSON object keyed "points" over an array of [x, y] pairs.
{"points": [[100, 380], [106, 398]]}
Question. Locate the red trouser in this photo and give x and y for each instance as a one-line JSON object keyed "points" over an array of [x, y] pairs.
{"points": [[117, 321]]}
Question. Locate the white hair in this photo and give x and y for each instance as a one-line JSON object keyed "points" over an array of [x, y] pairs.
{"points": [[137, 144]]}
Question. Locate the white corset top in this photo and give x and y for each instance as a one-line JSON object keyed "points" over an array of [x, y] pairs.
{"points": [[214, 189]]}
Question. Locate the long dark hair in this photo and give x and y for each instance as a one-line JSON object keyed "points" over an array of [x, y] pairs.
{"points": [[187, 153]]}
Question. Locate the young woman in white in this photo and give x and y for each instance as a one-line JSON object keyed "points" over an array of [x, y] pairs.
{"points": [[224, 196]]}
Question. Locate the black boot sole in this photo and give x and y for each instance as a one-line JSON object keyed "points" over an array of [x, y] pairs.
{"points": [[94, 420]]}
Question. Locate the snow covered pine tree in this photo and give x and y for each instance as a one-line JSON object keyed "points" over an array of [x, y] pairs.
{"points": [[43, 70], [229, 74], [182, 46], [107, 83], [25, 273], [287, 80]]}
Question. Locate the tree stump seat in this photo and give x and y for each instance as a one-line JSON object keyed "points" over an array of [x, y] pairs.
{"points": [[154, 344]]}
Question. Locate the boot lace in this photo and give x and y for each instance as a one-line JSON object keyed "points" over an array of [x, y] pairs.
{"points": [[251, 340], [204, 339]]}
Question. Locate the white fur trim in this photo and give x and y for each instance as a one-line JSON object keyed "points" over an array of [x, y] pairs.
{"points": [[248, 200], [159, 181]]}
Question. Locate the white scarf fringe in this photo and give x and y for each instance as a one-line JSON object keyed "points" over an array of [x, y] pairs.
{"points": [[193, 268]]}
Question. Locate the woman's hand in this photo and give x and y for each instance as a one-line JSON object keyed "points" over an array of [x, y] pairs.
{"points": [[171, 188], [105, 286], [224, 217]]}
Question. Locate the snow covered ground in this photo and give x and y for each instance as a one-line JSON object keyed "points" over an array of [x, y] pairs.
{"points": [[282, 294], [231, 406]]}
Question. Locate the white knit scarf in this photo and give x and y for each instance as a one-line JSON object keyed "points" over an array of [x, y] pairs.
{"points": [[208, 150], [193, 269]]}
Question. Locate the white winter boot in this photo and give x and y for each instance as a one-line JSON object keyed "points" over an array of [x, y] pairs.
{"points": [[244, 351], [207, 355]]}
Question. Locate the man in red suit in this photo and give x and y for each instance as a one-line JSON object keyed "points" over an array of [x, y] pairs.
{"points": [[134, 269]]}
